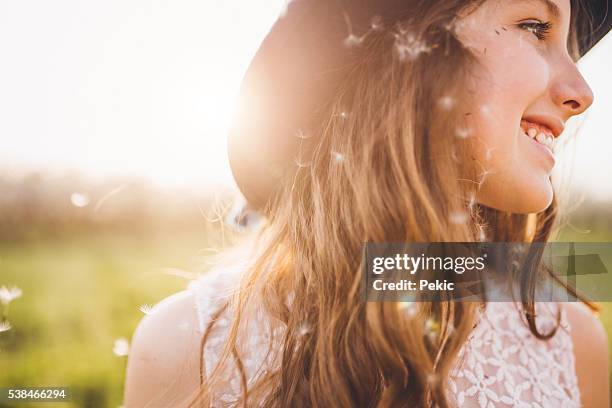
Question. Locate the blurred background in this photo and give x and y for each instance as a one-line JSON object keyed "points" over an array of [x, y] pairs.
{"points": [[114, 181]]}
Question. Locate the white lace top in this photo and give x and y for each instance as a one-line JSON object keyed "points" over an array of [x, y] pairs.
{"points": [[501, 365]]}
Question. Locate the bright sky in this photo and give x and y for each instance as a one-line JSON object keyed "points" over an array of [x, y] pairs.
{"points": [[147, 88]]}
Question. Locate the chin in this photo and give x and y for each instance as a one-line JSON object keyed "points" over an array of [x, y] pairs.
{"points": [[535, 197]]}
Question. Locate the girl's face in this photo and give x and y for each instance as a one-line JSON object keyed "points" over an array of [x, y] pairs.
{"points": [[529, 81]]}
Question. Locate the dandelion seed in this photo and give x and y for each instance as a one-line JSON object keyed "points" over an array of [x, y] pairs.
{"points": [[5, 326], [458, 217], [454, 156], [8, 295], [351, 39], [146, 309], [183, 326], [121, 347], [107, 196], [446, 102], [408, 46], [488, 153], [483, 177], [301, 134], [376, 23], [79, 200], [338, 157], [462, 132], [450, 26], [301, 164], [471, 202], [304, 329]]}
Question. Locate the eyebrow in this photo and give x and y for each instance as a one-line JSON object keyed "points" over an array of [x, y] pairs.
{"points": [[549, 4]]}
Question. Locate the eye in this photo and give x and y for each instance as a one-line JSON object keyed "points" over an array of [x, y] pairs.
{"points": [[538, 28]]}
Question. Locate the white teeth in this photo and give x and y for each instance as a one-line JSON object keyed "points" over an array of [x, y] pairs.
{"points": [[532, 132], [550, 141], [546, 140]]}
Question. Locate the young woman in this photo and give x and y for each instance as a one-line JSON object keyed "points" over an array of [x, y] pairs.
{"points": [[387, 121]]}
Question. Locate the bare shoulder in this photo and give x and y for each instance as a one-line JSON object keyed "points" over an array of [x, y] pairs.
{"points": [[591, 354], [163, 364]]}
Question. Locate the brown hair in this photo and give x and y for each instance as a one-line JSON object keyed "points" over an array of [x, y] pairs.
{"points": [[381, 169]]}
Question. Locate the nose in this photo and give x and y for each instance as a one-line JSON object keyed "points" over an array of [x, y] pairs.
{"points": [[571, 93]]}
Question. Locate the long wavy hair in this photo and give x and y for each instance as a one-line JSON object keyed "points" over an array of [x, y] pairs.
{"points": [[387, 165]]}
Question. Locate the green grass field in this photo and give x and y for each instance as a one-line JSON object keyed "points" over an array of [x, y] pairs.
{"points": [[82, 293], [79, 295]]}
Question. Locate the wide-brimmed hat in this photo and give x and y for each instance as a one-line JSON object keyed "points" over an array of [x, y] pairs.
{"points": [[297, 69]]}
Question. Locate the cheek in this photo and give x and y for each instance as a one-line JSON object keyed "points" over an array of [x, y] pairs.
{"points": [[512, 79], [509, 85]]}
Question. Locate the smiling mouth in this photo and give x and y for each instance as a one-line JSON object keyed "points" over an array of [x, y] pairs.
{"points": [[539, 133]]}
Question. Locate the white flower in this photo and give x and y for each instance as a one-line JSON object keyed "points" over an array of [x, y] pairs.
{"points": [[8, 295], [121, 347], [5, 326]]}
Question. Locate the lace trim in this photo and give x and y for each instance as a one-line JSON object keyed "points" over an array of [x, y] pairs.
{"points": [[502, 364]]}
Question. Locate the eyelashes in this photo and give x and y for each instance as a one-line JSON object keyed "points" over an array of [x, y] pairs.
{"points": [[538, 28]]}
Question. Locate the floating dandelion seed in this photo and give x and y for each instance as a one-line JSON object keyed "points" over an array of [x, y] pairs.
{"points": [[301, 164], [5, 326], [8, 295], [483, 176], [338, 157], [344, 114], [146, 309], [376, 23], [79, 200], [304, 329], [458, 217], [351, 39], [454, 156], [462, 132], [446, 102], [121, 347], [471, 202], [488, 153], [408, 46], [301, 134], [450, 26], [107, 196]]}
